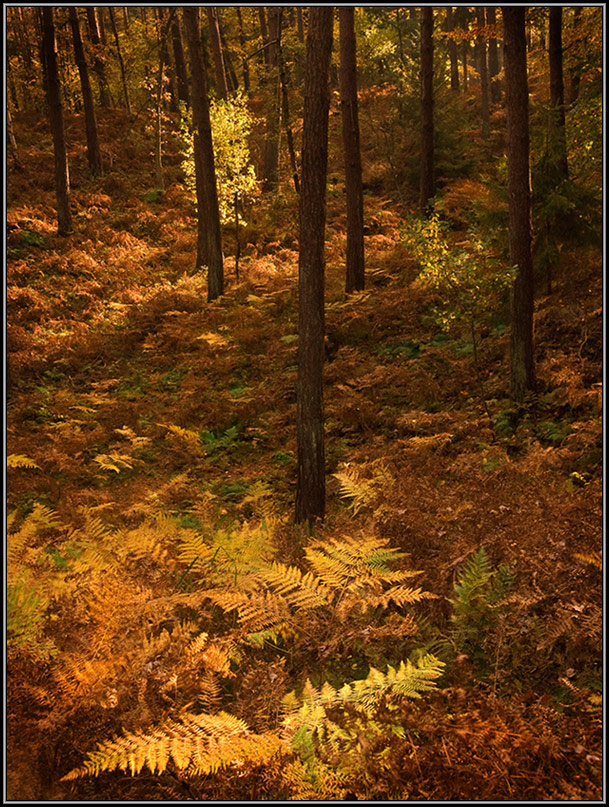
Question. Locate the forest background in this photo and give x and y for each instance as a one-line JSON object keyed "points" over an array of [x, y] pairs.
{"points": [[187, 616]]}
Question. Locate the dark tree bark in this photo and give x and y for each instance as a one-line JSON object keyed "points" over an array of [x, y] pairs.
{"points": [[558, 138], [93, 150], [351, 143], [264, 32], [209, 240], [99, 66], [273, 117], [493, 56], [426, 187], [180, 62], [216, 47], [285, 113], [21, 28], [522, 363], [300, 24], [120, 58], [483, 72], [452, 50], [62, 174], [231, 76], [310, 490], [574, 74], [244, 64]]}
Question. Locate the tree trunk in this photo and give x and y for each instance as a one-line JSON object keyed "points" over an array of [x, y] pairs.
{"points": [[99, 66], [452, 50], [483, 72], [310, 490], [264, 32], [231, 76], [62, 174], [300, 24], [558, 138], [244, 64], [93, 150], [216, 47], [493, 56], [426, 188], [522, 365], [120, 58], [273, 116], [285, 113], [351, 143], [180, 62], [208, 215], [12, 143], [574, 74]]}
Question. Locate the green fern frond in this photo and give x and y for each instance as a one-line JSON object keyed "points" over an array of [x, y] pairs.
{"points": [[20, 461], [473, 581], [25, 617], [199, 745]]}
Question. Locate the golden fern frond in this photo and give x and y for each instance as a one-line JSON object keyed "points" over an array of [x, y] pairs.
{"points": [[256, 610], [355, 487], [191, 438], [210, 692], [338, 562], [114, 461], [79, 676], [594, 559], [201, 744], [20, 461], [300, 590], [400, 595]]}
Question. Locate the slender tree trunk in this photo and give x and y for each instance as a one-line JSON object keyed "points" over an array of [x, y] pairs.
{"points": [[93, 150], [426, 189], [264, 32], [300, 24], [522, 364], [452, 51], [120, 58], [483, 72], [273, 116], [244, 64], [216, 47], [285, 113], [310, 490], [558, 138], [231, 77], [26, 50], [207, 193], [464, 50], [99, 66], [12, 143], [493, 56], [62, 174], [351, 143], [180, 62], [125, 19], [574, 74]]}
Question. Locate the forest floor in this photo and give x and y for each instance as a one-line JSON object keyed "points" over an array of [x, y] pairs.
{"points": [[134, 396]]}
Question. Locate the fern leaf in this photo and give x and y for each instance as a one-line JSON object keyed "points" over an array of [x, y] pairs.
{"points": [[300, 590], [20, 461], [201, 744]]}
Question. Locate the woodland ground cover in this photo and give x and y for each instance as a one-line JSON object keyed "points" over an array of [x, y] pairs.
{"points": [[161, 463]]}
